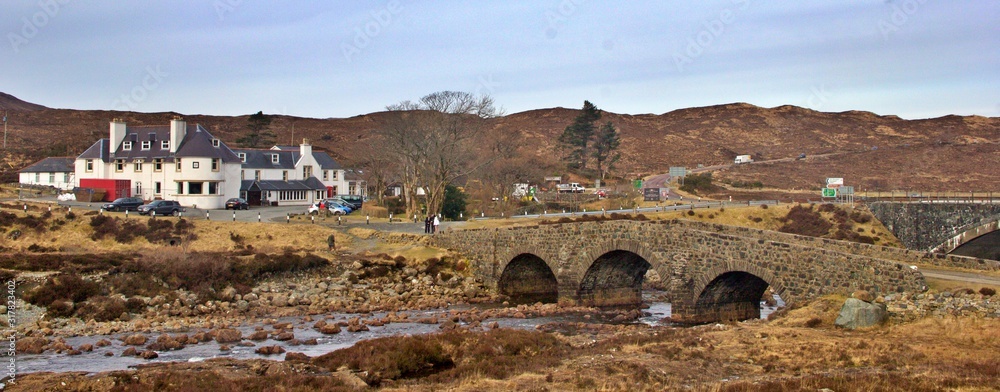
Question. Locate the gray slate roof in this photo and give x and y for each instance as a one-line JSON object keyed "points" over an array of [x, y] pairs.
{"points": [[310, 184], [197, 142], [51, 165], [261, 159]]}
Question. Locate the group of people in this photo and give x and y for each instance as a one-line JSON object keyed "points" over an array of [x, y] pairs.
{"points": [[431, 224]]}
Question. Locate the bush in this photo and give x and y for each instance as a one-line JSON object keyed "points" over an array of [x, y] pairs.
{"points": [[697, 183], [102, 308], [66, 287], [986, 291], [805, 221]]}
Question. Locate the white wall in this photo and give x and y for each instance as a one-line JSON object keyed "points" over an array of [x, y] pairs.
{"points": [[59, 180]]}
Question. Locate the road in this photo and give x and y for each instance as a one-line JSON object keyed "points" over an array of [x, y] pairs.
{"points": [[960, 276]]}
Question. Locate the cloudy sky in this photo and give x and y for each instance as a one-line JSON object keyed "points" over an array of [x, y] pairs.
{"points": [[912, 58]]}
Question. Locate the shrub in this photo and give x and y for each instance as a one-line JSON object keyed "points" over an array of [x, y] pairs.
{"points": [[986, 291], [805, 221], [102, 308], [60, 308], [67, 287]]}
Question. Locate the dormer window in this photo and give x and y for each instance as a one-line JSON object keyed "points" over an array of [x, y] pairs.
{"points": [[274, 158], [146, 145], [243, 157], [165, 145], [127, 146], [215, 142]]}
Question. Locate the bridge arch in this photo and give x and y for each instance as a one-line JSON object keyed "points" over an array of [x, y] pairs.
{"points": [[528, 278], [614, 273], [732, 292], [967, 236]]}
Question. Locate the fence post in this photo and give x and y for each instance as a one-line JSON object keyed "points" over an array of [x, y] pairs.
{"points": [[258, 217]]}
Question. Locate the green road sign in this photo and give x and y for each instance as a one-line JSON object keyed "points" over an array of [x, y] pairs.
{"points": [[637, 184], [829, 192]]}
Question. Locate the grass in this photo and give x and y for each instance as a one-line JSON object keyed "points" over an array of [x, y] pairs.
{"points": [[941, 285]]}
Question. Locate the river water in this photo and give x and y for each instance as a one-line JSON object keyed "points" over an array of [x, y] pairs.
{"points": [[96, 361]]}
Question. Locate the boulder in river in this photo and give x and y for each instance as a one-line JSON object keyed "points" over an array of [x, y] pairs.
{"points": [[228, 335]]}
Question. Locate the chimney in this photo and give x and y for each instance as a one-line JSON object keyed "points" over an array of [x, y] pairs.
{"points": [[178, 128], [117, 133], [305, 148]]}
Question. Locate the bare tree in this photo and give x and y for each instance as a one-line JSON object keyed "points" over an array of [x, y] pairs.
{"points": [[377, 168], [433, 141]]}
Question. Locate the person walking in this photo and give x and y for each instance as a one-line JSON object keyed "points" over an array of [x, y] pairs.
{"points": [[427, 225], [436, 223]]}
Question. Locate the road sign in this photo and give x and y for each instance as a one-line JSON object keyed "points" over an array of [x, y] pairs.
{"points": [[846, 190], [834, 182], [829, 192], [677, 171], [637, 184]]}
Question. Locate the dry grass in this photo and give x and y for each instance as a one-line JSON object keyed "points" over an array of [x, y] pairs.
{"points": [[939, 285]]}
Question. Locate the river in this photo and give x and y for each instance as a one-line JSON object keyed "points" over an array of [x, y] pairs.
{"points": [[96, 361]]}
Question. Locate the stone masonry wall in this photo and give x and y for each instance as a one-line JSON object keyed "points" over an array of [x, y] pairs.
{"points": [[923, 226]]}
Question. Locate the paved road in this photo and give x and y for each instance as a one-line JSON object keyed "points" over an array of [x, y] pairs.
{"points": [[960, 276]]}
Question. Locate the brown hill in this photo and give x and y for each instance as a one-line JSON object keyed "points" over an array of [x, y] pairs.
{"points": [[10, 102], [950, 153]]}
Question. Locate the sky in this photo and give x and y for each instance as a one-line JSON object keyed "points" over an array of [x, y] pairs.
{"points": [[911, 58]]}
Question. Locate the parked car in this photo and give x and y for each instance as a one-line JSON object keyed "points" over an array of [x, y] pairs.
{"points": [[334, 209], [327, 203], [355, 201], [161, 207], [237, 203], [123, 204]]}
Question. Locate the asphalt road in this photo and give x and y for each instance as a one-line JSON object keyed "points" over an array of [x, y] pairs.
{"points": [[960, 276]]}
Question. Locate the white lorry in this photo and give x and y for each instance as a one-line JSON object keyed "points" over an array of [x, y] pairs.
{"points": [[572, 187], [740, 159]]}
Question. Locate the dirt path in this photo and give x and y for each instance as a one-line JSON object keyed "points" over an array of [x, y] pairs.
{"points": [[960, 276]]}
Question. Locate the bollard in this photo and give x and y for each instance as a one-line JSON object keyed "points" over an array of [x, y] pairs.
{"points": [[288, 218], [390, 218], [152, 214], [368, 220], [50, 208], [460, 215], [25, 208], [69, 209], [482, 214], [207, 217], [313, 219], [602, 211], [234, 215], [258, 217], [126, 214], [501, 214], [338, 220], [100, 211], [180, 215]]}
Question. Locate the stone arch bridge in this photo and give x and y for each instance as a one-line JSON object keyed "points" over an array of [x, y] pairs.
{"points": [[711, 272]]}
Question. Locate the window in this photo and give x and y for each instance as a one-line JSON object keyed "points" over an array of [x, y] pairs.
{"points": [[256, 175], [178, 164], [38, 177], [284, 175], [66, 177], [157, 188], [146, 144], [213, 188], [274, 158], [90, 165], [307, 171], [138, 167], [157, 164], [334, 190], [195, 164], [119, 165], [180, 188], [127, 146], [215, 163], [215, 142], [195, 188], [243, 174], [52, 178], [326, 175], [243, 157], [334, 175], [165, 145]]}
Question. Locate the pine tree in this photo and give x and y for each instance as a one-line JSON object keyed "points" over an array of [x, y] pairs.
{"points": [[576, 138], [605, 147], [260, 134]]}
